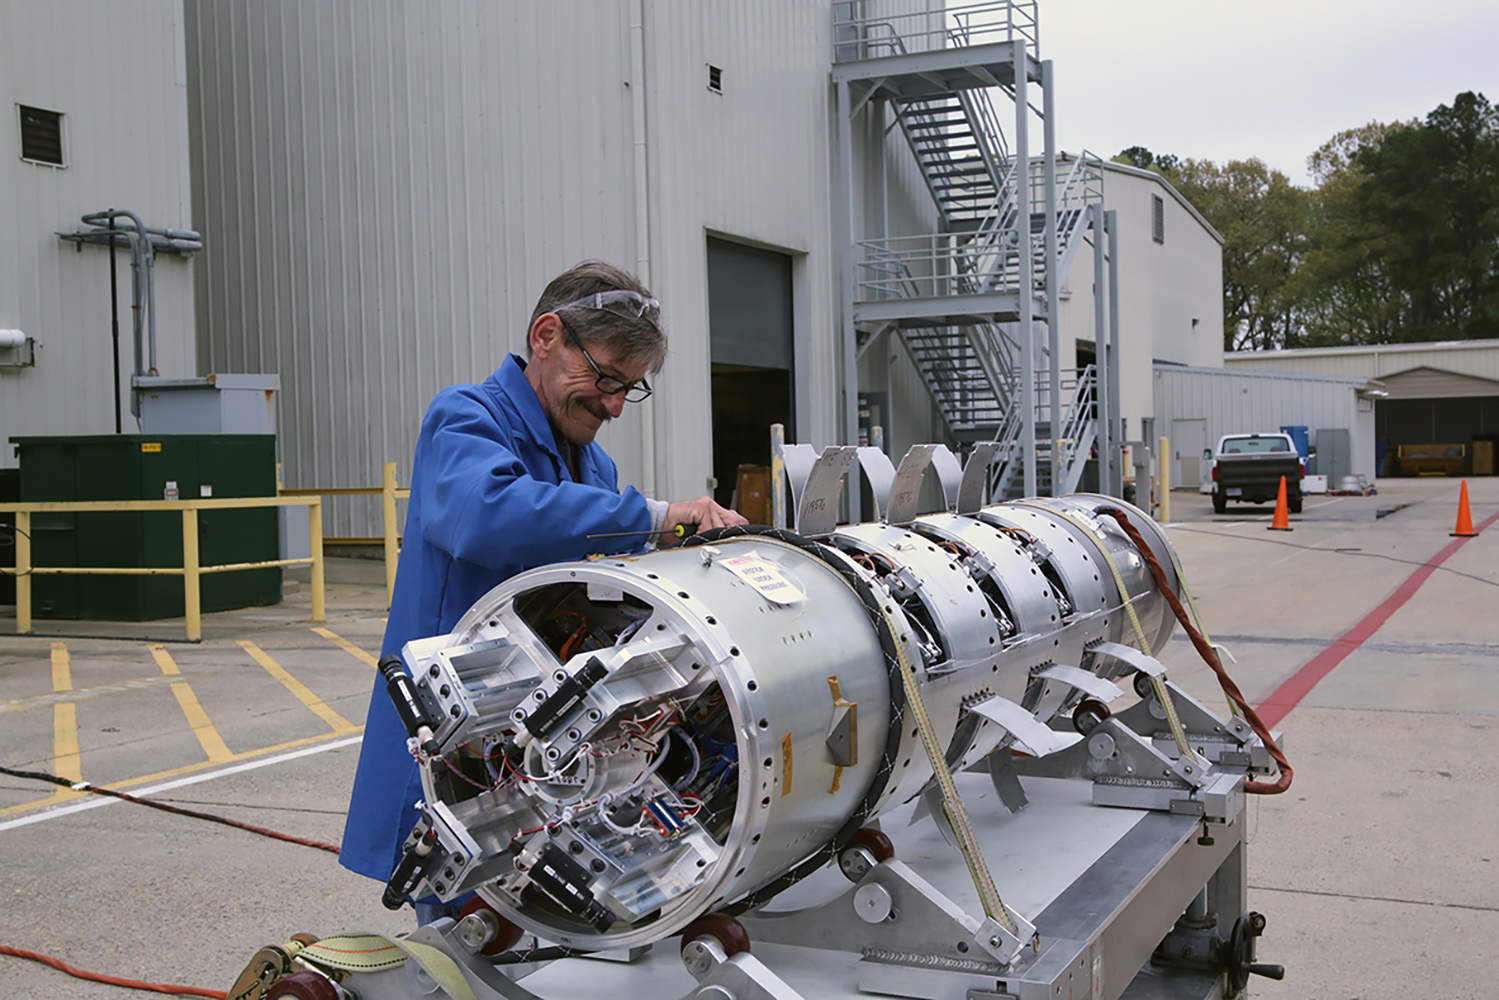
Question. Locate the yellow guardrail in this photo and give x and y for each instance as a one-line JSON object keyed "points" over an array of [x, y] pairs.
{"points": [[389, 493], [191, 570]]}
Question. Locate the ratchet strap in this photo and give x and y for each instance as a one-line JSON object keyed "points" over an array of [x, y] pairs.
{"points": [[968, 845], [341, 954]]}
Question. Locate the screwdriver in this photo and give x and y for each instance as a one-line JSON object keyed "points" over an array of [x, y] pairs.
{"points": [[681, 531]]}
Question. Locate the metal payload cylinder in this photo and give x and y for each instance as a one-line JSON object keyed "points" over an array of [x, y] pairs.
{"points": [[628, 743]]}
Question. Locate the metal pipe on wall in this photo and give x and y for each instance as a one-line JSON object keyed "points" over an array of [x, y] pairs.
{"points": [[114, 320]]}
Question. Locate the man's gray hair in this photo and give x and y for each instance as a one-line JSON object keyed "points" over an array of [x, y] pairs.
{"points": [[634, 334]]}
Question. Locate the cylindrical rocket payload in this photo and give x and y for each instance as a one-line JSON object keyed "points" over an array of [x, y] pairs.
{"points": [[628, 743]]}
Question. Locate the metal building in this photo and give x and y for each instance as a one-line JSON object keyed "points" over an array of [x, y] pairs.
{"points": [[1196, 406], [93, 116], [824, 194], [1436, 393], [390, 187]]}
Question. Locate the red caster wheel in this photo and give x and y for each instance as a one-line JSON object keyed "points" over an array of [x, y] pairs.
{"points": [[865, 849], [711, 939], [305, 985], [1088, 714], [488, 933]]}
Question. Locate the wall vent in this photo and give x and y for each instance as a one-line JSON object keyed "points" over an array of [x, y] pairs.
{"points": [[715, 79], [41, 135], [1157, 218]]}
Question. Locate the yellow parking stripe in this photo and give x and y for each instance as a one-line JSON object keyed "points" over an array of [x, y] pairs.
{"points": [[67, 762], [208, 737], [339, 723], [346, 646]]}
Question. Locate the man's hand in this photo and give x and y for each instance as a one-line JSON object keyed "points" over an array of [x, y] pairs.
{"points": [[702, 512]]}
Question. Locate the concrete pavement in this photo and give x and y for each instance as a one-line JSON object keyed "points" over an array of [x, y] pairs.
{"points": [[1379, 871]]}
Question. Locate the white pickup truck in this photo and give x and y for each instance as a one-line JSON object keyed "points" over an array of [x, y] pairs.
{"points": [[1248, 468]]}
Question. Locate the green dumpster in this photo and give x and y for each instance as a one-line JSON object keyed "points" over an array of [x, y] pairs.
{"points": [[149, 467]]}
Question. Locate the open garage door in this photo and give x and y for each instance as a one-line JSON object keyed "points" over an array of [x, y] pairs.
{"points": [[1429, 406]]}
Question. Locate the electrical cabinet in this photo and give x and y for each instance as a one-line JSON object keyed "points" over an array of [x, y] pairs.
{"points": [[149, 467]]}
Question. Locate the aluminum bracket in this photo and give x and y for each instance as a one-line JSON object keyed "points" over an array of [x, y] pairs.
{"points": [[920, 925], [1128, 770], [817, 504], [1228, 742], [906, 490], [975, 478], [1086, 682]]}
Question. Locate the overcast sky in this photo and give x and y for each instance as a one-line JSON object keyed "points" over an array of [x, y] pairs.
{"points": [[1219, 80]]}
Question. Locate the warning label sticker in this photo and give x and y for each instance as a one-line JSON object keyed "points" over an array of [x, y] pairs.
{"points": [[765, 577]]}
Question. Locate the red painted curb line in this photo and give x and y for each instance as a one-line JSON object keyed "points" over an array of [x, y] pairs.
{"points": [[1286, 697]]}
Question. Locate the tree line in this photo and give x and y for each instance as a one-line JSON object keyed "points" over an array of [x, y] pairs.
{"points": [[1396, 242]]}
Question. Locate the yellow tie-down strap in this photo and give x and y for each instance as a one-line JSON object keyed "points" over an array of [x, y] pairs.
{"points": [[360, 952]]}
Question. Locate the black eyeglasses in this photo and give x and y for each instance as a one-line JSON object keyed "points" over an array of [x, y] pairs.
{"points": [[608, 384]]}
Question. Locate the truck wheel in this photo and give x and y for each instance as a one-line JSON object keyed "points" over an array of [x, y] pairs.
{"points": [[1220, 503], [1293, 504]]}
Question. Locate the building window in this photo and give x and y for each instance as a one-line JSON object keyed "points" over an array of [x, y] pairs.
{"points": [[41, 135], [1157, 218], [715, 79]]}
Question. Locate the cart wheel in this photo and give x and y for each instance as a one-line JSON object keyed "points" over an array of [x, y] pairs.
{"points": [[1088, 714], [305, 985], [865, 849], [728, 932], [502, 935], [1143, 687]]}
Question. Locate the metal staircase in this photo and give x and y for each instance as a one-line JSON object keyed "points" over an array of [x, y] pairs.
{"points": [[960, 151], [1067, 451], [949, 295]]}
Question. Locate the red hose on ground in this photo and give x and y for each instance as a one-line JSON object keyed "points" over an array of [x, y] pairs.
{"points": [[1210, 657], [132, 984]]}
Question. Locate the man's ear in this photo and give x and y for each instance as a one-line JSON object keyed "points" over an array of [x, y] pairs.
{"points": [[546, 335]]}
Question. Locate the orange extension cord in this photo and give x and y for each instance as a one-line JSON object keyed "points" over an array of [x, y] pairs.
{"points": [[134, 984]]}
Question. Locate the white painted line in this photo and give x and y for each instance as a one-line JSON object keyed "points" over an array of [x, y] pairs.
{"points": [[95, 801]]}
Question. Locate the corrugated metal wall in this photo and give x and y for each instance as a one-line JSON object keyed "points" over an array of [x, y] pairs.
{"points": [[1235, 402], [392, 186], [1479, 358], [116, 73]]}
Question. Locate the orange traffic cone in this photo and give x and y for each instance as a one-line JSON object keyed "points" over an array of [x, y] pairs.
{"points": [[1464, 516], [1282, 520]]}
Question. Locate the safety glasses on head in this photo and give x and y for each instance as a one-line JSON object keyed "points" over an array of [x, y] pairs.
{"points": [[608, 384], [619, 300]]}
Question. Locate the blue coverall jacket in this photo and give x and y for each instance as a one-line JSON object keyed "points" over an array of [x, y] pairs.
{"points": [[490, 497]]}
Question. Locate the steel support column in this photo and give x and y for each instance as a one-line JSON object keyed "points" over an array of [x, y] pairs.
{"points": [[1111, 223], [1021, 172], [1053, 279], [850, 428], [1104, 360]]}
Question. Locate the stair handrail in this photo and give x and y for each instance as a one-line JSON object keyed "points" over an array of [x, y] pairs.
{"points": [[975, 18]]}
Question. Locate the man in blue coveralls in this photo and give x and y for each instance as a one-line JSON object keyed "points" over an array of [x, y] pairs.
{"points": [[507, 477]]}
